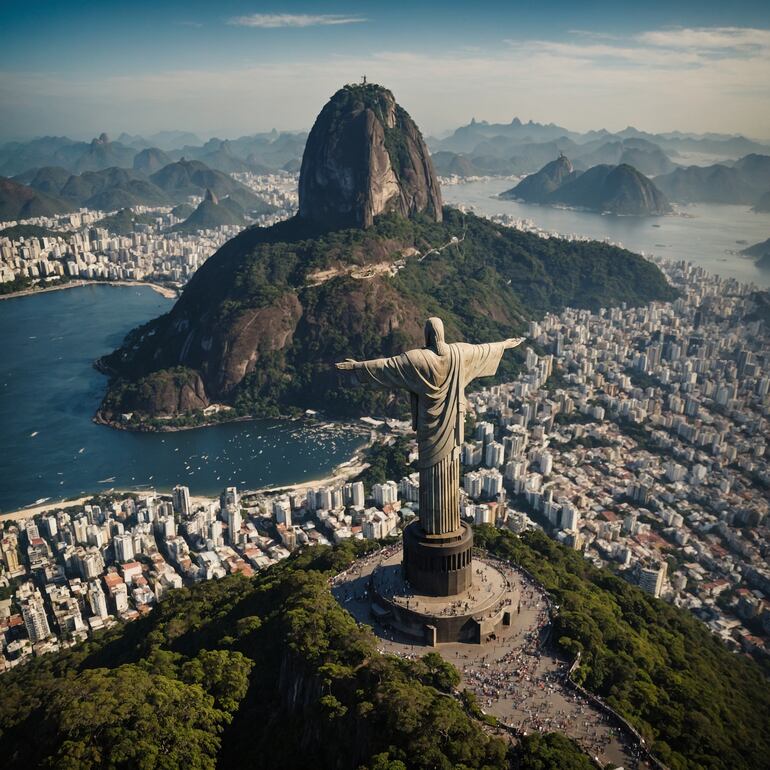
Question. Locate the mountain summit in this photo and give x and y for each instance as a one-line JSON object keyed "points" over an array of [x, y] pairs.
{"points": [[364, 157]]}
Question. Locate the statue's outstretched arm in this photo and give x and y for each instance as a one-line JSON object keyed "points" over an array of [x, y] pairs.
{"points": [[513, 342], [383, 372]]}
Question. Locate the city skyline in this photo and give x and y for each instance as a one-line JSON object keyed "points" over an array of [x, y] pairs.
{"points": [[243, 68]]}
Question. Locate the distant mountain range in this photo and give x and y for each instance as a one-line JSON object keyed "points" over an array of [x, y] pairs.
{"points": [[686, 167], [53, 190], [619, 189], [518, 143], [743, 181], [260, 153]]}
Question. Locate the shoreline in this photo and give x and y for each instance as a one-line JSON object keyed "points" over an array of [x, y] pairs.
{"points": [[340, 473], [164, 291], [99, 419]]}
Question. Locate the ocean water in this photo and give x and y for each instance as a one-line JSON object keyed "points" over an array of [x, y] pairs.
{"points": [[49, 391], [709, 235]]}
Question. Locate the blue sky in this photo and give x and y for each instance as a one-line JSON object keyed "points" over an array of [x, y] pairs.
{"points": [[231, 68]]}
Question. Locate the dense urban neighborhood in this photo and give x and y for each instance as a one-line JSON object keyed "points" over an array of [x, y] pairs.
{"points": [[143, 243]]}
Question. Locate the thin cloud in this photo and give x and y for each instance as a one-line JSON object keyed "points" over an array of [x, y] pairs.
{"points": [[276, 20], [669, 48], [708, 38], [584, 84]]}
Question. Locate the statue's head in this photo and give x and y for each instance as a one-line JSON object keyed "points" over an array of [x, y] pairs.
{"points": [[434, 336]]}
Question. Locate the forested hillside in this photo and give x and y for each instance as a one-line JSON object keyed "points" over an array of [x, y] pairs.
{"points": [[700, 705]]}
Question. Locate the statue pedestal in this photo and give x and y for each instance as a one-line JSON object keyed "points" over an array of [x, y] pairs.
{"points": [[474, 616], [438, 565]]}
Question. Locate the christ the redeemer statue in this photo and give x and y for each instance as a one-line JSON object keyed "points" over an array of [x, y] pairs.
{"points": [[436, 377]]}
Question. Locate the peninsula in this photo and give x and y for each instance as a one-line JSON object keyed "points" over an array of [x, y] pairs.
{"points": [[370, 253]]}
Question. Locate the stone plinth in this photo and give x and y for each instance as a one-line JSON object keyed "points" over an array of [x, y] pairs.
{"points": [[475, 614], [438, 565]]}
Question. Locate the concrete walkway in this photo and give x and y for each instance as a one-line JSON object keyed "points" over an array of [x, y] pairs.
{"points": [[516, 678]]}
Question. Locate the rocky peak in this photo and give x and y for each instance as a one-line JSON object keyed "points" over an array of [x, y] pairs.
{"points": [[210, 196], [537, 187], [365, 156]]}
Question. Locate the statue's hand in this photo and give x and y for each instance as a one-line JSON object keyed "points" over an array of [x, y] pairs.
{"points": [[513, 342], [347, 364]]}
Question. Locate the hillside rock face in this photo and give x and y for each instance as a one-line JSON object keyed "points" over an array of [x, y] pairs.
{"points": [[535, 188], [365, 156], [620, 189], [614, 189]]}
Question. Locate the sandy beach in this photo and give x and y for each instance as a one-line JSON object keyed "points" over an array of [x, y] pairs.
{"points": [[342, 473], [28, 513]]}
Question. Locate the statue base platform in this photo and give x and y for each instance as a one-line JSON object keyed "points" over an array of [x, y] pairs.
{"points": [[438, 565], [475, 615]]}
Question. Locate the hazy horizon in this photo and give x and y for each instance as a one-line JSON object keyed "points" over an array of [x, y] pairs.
{"points": [[245, 68]]}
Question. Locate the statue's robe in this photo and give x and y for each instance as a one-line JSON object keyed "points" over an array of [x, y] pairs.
{"points": [[436, 384]]}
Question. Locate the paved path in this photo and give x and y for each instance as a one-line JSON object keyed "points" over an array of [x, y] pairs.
{"points": [[516, 678]]}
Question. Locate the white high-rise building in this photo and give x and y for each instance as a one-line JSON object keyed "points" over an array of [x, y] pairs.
{"points": [[229, 498], [472, 454], [650, 579], [120, 595], [492, 483], [483, 514], [493, 457], [80, 527], [90, 563], [233, 525], [385, 494], [409, 488], [181, 497], [95, 535], [282, 511], [50, 526], [97, 600], [473, 484], [215, 532], [124, 547], [166, 526], [35, 619], [324, 499], [569, 517], [354, 494]]}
